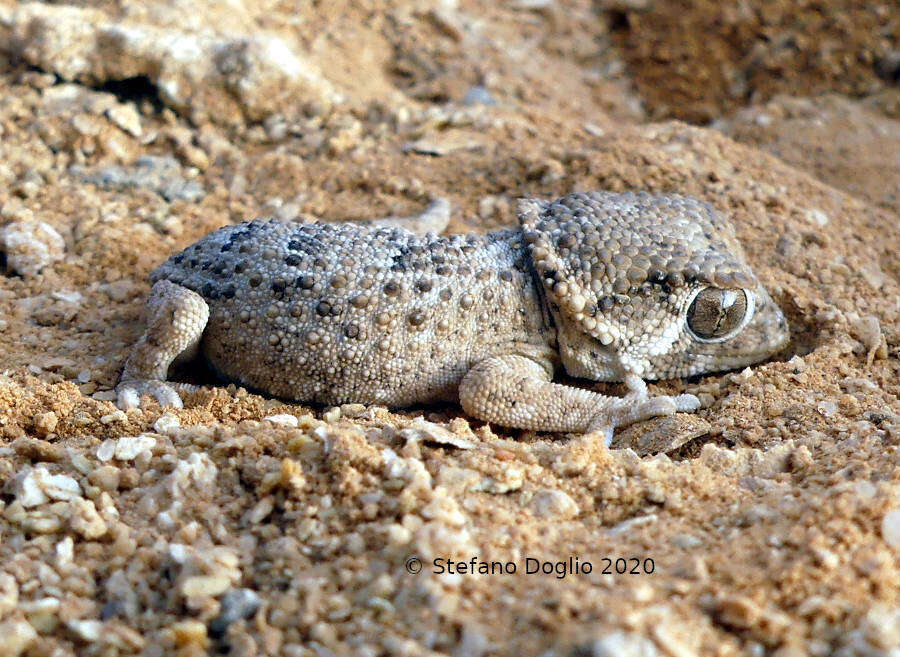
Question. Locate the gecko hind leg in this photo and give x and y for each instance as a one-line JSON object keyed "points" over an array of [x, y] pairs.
{"points": [[176, 319]]}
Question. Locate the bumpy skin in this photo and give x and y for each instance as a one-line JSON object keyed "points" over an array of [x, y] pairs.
{"points": [[608, 285]]}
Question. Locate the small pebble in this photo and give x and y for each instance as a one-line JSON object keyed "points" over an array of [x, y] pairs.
{"points": [[236, 604], [115, 416], [201, 586], [106, 451], [86, 630], [15, 637], [284, 419], [127, 118], [890, 528], [30, 246], [166, 424], [128, 447], [554, 503], [478, 95]]}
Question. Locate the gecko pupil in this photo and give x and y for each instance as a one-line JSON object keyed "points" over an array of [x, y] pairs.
{"points": [[715, 313]]}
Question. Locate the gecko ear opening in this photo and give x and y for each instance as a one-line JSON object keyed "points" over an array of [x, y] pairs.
{"points": [[555, 242], [541, 231]]}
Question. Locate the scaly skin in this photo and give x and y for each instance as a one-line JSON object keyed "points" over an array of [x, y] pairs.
{"points": [[608, 285]]}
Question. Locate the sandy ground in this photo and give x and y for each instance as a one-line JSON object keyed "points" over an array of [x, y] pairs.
{"points": [[767, 524]]}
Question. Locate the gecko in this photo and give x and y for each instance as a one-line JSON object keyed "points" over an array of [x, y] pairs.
{"points": [[604, 286]]}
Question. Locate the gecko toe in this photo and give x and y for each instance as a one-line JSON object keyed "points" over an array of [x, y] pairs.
{"points": [[130, 394]]}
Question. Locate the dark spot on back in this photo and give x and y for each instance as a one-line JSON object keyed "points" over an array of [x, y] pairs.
{"points": [[278, 288]]}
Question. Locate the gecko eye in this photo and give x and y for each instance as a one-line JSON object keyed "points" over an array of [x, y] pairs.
{"points": [[717, 314]]}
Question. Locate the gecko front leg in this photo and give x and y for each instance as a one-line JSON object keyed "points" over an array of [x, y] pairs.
{"points": [[176, 319], [517, 391]]}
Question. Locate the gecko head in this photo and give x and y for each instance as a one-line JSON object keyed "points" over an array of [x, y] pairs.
{"points": [[656, 286]]}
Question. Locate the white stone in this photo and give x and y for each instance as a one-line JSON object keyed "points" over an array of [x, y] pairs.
{"points": [[85, 520], [28, 492], [166, 424], [37, 486], [40, 606], [284, 419], [9, 594], [817, 217], [61, 487], [106, 451], [15, 637], [127, 118], [424, 430], [65, 551], [128, 447], [202, 586], [890, 528], [621, 644], [827, 408], [86, 630], [444, 509], [627, 525], [30, 246], [115, 416], [552, 502]]}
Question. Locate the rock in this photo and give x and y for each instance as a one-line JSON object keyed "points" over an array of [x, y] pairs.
{"points": [[762, 623], [890, 528], [478, 96], [200, 586], [15, 637], [9, 594], [868, 331], [283, 419], [431, 432], [127, 118], [200, 73], [88, 631], [30, 246], [85, 520], [166, 424], [106, 451], [472, 643], [45, 423], [162, 175], [36, 486], [511, 480], [190, 632], [618, 644], [128, 447], [236, 604], [661, 435], [434, 219], [551, 502], [441, 146]]}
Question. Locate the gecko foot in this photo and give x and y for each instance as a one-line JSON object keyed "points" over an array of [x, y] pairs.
{"points": [[627, 410], [130, 393]]}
